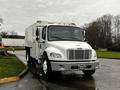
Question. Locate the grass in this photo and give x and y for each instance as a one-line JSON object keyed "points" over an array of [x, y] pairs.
{"points": [[108, 54], [10, 66]]}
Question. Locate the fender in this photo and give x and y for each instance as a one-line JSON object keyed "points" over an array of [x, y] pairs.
{"points": [[54, 50]]}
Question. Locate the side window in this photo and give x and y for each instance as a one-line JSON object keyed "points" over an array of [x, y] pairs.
{"points": [[44, 33]]}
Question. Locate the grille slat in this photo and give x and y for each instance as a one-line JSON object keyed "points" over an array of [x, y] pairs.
{"points": [[79, 54]]}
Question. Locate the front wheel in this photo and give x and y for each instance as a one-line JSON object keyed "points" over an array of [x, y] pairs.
{"points": [[46, 68], [88, 72]]}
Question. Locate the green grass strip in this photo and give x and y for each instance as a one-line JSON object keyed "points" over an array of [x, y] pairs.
{"points": [[108, 54], [10, 66]]}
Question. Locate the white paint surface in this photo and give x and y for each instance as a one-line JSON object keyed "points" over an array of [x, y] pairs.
{"points": [[13, 42]]}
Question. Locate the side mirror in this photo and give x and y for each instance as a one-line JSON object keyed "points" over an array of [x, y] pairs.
{"points": [[84, 36], [37, 34]]}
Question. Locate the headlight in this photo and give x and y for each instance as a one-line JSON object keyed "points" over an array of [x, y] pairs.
{"points": [[55, 55], [95, 55]]}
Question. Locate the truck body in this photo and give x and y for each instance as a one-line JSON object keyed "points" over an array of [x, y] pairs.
{"points": [[52, 46]]}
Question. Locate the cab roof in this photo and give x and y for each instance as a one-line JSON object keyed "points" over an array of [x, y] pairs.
{"points": [[46, 23]]}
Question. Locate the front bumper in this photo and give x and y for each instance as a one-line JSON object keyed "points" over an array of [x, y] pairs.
{"points": [[72, 66]]}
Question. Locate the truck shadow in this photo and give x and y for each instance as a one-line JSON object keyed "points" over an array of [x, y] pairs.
{"points": [[71, 81]]}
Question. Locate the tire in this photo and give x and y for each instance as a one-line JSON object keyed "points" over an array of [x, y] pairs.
{"points": [[46, 68], [32, 67], [30, 62], [88, 72], [28, 59], [26, 49], [27, 54]]}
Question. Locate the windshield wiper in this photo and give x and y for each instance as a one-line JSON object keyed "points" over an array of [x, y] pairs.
{"points": [[75, 39], [67, 39], [58, 38]]}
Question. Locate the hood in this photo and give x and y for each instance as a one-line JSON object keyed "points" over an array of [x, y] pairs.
{"points": [[70, 45]]}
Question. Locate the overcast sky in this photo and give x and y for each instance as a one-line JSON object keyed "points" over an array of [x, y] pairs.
{"points": [[19, 14]]}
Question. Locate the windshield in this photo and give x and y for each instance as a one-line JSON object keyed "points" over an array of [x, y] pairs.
{"points": [[64, 33]]}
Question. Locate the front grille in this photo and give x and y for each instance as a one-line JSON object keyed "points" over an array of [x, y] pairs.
{"points": [[79, 54]]}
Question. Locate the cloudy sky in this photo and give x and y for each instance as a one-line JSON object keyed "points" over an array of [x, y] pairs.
{"points": [[19, 14]]}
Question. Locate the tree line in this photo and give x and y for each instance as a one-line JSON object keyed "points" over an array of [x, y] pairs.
{"points": [[104, 32], [12, 34]]}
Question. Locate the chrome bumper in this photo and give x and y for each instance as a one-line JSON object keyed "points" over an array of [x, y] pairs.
{"points": [[68, 66]]}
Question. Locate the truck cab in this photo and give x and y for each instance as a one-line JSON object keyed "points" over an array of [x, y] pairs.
{"points": [[56, 47]]}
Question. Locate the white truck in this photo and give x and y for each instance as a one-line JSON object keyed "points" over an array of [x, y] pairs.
{"points": [[58, 47]]}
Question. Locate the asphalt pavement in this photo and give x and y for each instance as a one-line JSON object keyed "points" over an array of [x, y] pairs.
{"points": [[105, 78]]}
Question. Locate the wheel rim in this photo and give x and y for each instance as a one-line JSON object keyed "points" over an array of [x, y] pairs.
{"points": [[45, 66]]}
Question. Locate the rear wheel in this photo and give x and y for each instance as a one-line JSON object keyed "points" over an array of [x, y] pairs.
{"points": [[27, 53], [88, 72], [30, 63], [28, 59]]}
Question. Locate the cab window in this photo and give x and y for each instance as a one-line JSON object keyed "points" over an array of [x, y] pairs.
{"points": [[44, 33]]}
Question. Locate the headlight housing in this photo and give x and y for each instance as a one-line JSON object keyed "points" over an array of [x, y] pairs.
{"points": [[55, 55], [95, 55]]}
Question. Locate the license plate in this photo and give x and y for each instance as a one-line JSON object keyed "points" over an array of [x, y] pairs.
{"points": [[81, 67]]}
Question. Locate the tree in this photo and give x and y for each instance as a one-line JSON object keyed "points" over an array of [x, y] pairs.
{"points": [[105, 29], [92, 34], [99, 32], [117, 29], [4, 34]]}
